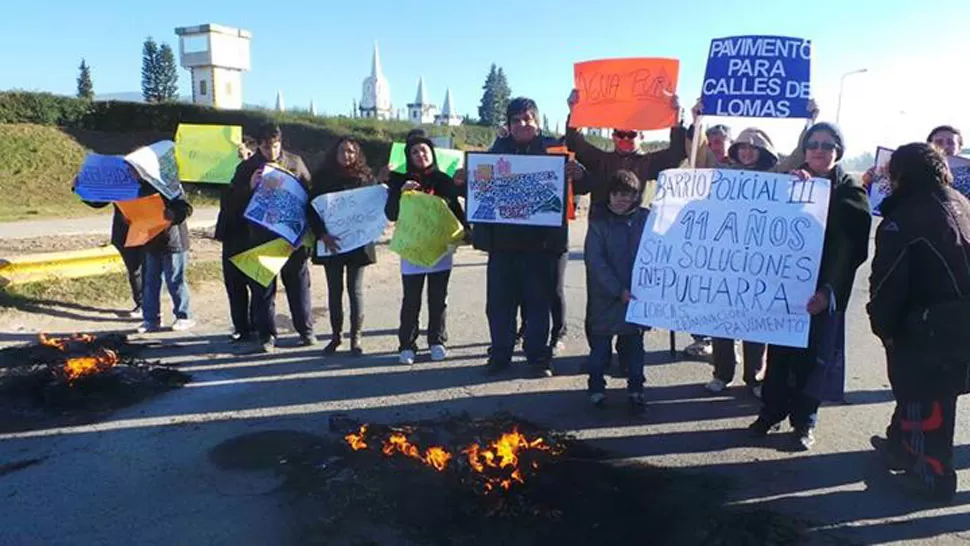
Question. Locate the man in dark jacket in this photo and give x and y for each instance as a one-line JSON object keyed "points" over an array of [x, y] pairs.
{"points": [[232, 232], [919, 308], [133, 257], [522, 260], [295, 274]]}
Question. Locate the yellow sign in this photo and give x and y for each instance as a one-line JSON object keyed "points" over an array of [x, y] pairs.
{"points": [[207, 153], [264, 262], [425, 229]]}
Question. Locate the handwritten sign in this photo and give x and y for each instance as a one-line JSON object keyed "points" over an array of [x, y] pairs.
{"points": [[156, 165], [879, 185], [570, 202], [449, 161], [279, 204], [731, 254], [632, 94], [207, 153], [106, 178], [356, 217], [264, 262], [146, 219], [425, 229], [516, 189], [960, 167], [758, 77]]}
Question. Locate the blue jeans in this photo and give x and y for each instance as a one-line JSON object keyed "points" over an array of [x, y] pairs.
{"points": [[172, 266], [630, 350]]}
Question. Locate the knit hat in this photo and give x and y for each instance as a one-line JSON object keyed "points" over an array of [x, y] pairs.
{"points": [[832, 129], [759, 139], [411, 143]]}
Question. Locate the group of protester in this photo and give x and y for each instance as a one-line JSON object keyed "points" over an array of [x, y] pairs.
{"points": [[920, 280]]}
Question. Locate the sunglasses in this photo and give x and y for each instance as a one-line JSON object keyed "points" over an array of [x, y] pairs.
{"points": [[626, 135], [825, 146]]}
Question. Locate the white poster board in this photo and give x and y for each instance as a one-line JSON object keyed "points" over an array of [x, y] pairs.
{"points": [[731, 254], [156, 165], [525, 190], [356, 217], [279, 204]]}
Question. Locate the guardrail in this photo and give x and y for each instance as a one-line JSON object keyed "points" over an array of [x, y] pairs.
{"points": [[72, 264]]}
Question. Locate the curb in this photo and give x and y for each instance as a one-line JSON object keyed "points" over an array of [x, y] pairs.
{"points": [[59, 265]]}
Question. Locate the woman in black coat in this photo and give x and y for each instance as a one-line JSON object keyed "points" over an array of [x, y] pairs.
{"points": [[344, 168], [844, 249]]}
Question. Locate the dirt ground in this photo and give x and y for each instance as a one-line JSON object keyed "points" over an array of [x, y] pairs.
{"points": [[203, 246]]}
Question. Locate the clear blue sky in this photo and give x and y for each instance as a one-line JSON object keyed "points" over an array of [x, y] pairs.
{"points": [[322, 50]]}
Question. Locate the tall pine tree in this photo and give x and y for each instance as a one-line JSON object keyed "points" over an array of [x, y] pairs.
{"points": [[168, 75], [85, 88], [503, 95], [486, 110], [149, 71]]}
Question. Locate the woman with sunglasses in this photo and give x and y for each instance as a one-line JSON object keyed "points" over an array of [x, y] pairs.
{"points": [[844, 249]]}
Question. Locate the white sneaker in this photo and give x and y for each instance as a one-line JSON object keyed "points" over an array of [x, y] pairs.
{"points": [[135, 313], [407, 357], [597, 398], [716, 386], [757, 391], [438, 353], [147, 328], [183, 325]]}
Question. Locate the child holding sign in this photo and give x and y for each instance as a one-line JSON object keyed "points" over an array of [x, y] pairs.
{"points": [[423, 175], [611, 247]]}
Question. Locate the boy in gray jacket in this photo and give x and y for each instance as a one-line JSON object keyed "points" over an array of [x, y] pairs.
{"points": [[612, 239]]}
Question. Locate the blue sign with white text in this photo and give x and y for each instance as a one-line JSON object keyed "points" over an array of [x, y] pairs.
{"points": [[758, 77], [106, 179]]}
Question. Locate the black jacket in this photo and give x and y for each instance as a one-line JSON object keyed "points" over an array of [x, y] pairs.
{"points": [[231, 226], [325, 181], [119, 225], [846, 243], [922, 270], [516, 238], [435, 183]]}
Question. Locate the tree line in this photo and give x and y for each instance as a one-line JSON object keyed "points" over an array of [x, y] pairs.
{"points": [[159, 74]]}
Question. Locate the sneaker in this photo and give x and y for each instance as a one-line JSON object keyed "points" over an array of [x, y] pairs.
{"points": [[268, 347], [557, 346], [355, 347], [597, 399], [146, 328], [892, 453], [761, 427], [638, 404], [236, 338], [716, 386], [541, 370], [438, 353], [757, 391], [332, 347], [493, 367], [183, 325], [309, 340], [406, 357], [805, 438], [135, 313], [700, 349]]}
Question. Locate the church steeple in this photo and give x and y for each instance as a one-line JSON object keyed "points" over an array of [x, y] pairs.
{"points": [[375, 100], [421, 112], [448, 115]]}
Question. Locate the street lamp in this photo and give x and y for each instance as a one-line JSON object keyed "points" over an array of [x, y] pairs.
{"points": [[838, 110]]}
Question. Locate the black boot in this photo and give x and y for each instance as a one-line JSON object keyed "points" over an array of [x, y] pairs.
{"points": [[332, 347]]}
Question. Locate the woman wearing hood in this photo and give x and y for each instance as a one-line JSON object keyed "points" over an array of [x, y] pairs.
{"points": [[787, 391], [423, 175], [752, 151]]}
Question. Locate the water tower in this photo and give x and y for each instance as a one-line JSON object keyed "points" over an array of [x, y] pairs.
{"points": [[216, 56]]}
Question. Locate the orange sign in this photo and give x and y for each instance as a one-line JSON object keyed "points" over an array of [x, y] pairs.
{"points": [[146, 219], [570, 204], [628, 94]]}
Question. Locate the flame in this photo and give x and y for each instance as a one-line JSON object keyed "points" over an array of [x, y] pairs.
{"points": [[75, 368], [60, 343], [398, 443], [437, 458], [356, 441], [503, 455]]}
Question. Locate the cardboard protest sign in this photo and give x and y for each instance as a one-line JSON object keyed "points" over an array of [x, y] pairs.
{"points": [[106, 178], [758, 77], [570, 204], [425, 229], [879, 185], [449, 161], [355, 217], [146, 219], [731, 254], [631, 94], [279, 204], [526, 190], [264, 262], [207, 153], [156, 165]]}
